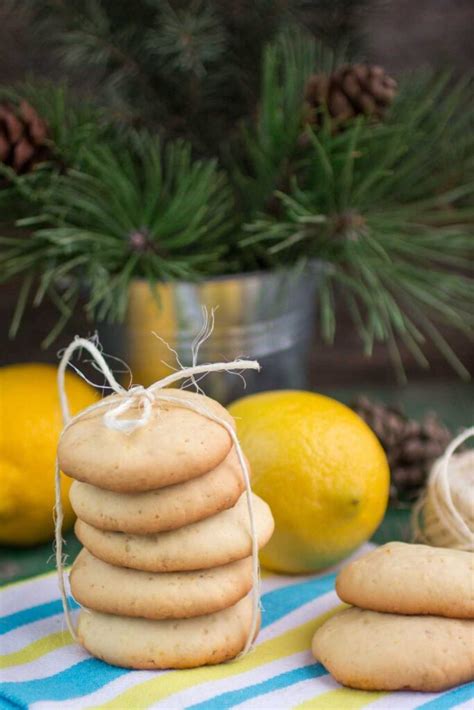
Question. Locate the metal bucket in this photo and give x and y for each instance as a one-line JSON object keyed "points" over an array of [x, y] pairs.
{"points": [[268, 316]]}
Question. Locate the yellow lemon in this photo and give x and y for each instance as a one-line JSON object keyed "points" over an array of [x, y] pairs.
{"points": [[30, 424], [321, 470]]}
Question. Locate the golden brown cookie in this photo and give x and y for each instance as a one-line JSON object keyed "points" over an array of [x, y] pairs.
{"points": [[215, 541], [158, 595], [185, 643], [176, 445], [373, 651], [411, 579], [164, 508]]}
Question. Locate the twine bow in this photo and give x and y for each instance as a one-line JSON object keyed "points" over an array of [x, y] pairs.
{"points": [[142, 399]]}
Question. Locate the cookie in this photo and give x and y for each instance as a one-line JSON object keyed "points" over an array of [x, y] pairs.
{"points": [[411, 579], [215, 541], [164, 508], [159, 595], [186, 643], [369, 650], [176, 445]]}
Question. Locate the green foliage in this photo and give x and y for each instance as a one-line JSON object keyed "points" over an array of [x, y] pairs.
{"points": [[392, 214], [269, 143], [187, 68], [132, 210], [387, 206], [169, 39], [340, 24], [182, 68], [74, 126]]}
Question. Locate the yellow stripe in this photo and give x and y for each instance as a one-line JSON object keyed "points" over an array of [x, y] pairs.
{"points": [[151, 691], [36, 649], [341, 699]]}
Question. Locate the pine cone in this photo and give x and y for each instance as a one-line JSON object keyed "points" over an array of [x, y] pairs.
{"points": [[349, 91], [410, 446], [23, 137]]}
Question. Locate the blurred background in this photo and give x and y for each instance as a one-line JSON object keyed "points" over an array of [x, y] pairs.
{"points": [[401, 36], [305, 167]]}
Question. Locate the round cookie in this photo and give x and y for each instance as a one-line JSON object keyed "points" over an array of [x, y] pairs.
{"points": [[177, 444], [411, 579], [215, 541], [185, 643], [369, 650], [160, 595], [164, 508]]}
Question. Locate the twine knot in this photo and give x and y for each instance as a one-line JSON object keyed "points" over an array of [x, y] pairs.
{"points": [[136, 396]]}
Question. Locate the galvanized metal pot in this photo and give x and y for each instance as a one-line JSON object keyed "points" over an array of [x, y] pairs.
{"points": [[266, 315]]}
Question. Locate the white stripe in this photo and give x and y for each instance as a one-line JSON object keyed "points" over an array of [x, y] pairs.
{"points": [[30, 593], [299, 616], [403, 700], [465, 706], [17, 639], [51, 663], [293, 695], [100, 696], [269, 584], [208, 691], [205, 690]]}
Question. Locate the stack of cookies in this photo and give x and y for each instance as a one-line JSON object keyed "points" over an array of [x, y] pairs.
{"points": [[412, 623], [166, 569]]}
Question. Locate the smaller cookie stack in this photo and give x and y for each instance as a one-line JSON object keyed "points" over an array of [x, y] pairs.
{"points": [[412, 623], [166, 569]]}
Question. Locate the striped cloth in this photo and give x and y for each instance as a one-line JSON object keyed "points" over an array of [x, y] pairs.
{"points": [[42, 669]]}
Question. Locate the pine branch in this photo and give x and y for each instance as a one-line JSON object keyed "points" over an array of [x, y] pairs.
{"points": [[268, 147], [383, 208], [133, 210], [189, 39], [72, 126]]}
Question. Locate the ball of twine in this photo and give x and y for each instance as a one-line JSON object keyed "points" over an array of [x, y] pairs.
{"points": [[444, 514]]}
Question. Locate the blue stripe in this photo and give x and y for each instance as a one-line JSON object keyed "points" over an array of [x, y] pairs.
{"points": [[278, 682], [33, 613], [10, 705], [451, 698], [65, 685], [281, 602], [276, 604]]}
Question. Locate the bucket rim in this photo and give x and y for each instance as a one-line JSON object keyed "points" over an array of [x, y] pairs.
{"points": [[313, 265]]}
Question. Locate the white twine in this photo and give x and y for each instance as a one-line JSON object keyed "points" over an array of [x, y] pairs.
{"points": [[144, 398], [447, 525]]}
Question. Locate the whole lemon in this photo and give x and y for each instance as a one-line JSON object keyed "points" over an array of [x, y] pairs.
{"points": [[321, 470], [30, 424]]}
